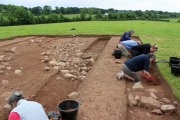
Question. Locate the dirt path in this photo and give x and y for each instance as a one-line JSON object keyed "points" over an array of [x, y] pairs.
{"points": [[100, 94]]}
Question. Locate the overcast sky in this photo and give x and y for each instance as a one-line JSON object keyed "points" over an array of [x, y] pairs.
{"points": [[163, 5]]}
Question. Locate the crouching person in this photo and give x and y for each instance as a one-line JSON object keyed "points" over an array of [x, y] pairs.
{"points": [[25, 110], [139, 63]]}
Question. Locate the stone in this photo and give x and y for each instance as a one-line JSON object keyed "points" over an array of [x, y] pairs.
{"points": [[68, 75], [8, 68], [153, 95], [13, 49], [5, 82], [46, 68], [8, 108], [149, 102], [73, 95], [165, 100], [1, 57], [157, 112], [82, 78], [168, 109], [137, 86], [2, 67], [131, 101], [136, 98], [63, 72], [18, 72]]}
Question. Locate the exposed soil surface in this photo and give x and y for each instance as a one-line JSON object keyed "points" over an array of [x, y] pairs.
{"points": [[101, 95]]}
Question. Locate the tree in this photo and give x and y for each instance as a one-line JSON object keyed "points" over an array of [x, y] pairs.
{"points": [[62, 10], [4, 21], [17, 15], [122, 15], [131, 15], [53, 18], [36, 10], [57, 10], [47, 10], [43, 18], [99, 15], [83, 14]]}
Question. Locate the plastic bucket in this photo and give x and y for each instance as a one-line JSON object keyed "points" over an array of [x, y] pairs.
{"points": [[175, 70], [118, 54], [174, 60], [68, 109]]}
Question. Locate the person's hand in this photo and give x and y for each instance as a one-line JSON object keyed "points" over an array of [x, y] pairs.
{"points": [[151, 78], [148, 78], [145, 77]]}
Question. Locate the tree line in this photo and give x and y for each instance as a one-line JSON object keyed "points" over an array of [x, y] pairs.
{"points": [[20, 15]]}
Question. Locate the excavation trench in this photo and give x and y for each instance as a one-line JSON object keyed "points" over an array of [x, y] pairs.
{"points": [[100, 94]]}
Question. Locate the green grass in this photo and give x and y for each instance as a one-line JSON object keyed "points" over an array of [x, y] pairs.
{"points": [[175, 20], [164, 34]]}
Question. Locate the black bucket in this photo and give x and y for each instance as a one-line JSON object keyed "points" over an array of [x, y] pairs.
{"points": [[175, 70], [174, 60], [68, 109], [118, 54]]}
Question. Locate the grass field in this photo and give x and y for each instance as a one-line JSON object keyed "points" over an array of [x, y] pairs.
{"points": [[164, 34]]}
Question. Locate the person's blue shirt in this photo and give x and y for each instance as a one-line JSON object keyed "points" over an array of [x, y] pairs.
{"points": [[129, 43], [125, 36], [138, 63]]}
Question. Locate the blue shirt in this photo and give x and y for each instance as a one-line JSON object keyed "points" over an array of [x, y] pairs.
{"points": [[125, 36], [129, 44], [138, 63]]}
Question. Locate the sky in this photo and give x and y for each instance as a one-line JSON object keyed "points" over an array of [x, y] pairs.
{"points": [[158, 5]]}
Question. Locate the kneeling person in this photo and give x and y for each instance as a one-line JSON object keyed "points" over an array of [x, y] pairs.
{"points": [[139, 63]]}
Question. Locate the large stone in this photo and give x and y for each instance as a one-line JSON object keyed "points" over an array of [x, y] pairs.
{"points": [[138, 86], [149, 102], [63, 72], [8, 108], [68, 75], [131, 100], [168, 108]]}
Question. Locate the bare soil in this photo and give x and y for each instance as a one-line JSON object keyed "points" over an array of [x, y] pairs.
{"points": [[101, 96]]}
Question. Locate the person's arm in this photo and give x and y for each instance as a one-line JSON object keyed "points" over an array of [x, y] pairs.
{"points": [[146, 73], [127, 36], [14, 116]]}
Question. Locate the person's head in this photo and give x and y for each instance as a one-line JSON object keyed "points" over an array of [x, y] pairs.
{"points": [[153, 48], [14, 98], [151, 57], [138, 42], [131, 32]]}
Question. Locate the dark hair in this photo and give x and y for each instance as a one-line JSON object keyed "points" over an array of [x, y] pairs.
{"points": [[151, 55], [15, 97]]}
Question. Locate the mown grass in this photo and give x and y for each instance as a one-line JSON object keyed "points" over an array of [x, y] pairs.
{"points": [[164, 34]]}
